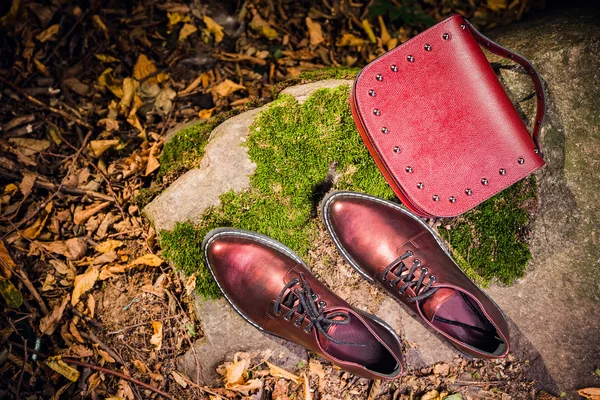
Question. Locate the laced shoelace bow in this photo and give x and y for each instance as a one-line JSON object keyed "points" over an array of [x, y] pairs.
{"points": [[304, 302], [398, 267]]}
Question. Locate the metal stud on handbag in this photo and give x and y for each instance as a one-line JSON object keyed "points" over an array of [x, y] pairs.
{"points": [[439, 124]]}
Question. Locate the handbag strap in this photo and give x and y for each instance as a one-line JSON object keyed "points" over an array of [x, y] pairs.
{"points": [[535, 77]]}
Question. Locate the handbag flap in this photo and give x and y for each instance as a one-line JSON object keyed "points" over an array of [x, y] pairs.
{"points": [[436, 118]]}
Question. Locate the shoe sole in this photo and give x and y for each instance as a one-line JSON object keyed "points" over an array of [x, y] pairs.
{"points": [[266, 240]]}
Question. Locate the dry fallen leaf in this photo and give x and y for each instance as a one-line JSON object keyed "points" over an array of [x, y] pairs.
{"points": [[125, 391], [130, 86], [190, 284], [315, 367], [73, 248], [233, 372], [33, 231], [6, 262], [279, 372], [590, 393], [431, 395], [375, 389], [385, 35], [106, 58], [106, 79], [262, 27], [29, 147], [227, 87], [82, 215], [144, 68], [215, 29], [62, 368], [156, 339], [186, 30], [27, 183], [314, 31], [83, 283], [206, 113], [49, 323], [11, 295], [49, 282], [108, 271], [48, 34], [179, 379], [108, 245], [246, 388], [349, 39], [151, 260], [105, 356], [100, 146], [140, 366], [99, 24]]}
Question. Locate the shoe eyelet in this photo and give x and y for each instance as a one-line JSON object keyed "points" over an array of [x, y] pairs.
{"points": [[277, 313], [307, 331], [432, 278], [315, 296], [410, 253], [392, 284], [424, 270], [417, 262], [323, 304], [298, 323], [288, 319]]}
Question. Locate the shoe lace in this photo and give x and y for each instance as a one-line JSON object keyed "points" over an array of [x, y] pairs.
{"points": [[398, 267], [304, 302]]}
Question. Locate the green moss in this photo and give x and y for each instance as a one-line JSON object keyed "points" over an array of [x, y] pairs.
{"points": [[294, 147], [317, 75], [492, 238], [185, 148]]}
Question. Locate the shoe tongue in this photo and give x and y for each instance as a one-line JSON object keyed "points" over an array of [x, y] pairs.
{"points": [[432, 304]]}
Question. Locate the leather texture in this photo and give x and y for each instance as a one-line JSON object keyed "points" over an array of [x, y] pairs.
{"points": [[439, 124], [371, 233], [252, 270]]}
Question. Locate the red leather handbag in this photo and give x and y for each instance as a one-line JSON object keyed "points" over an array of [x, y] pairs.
{"points": [[439, 124]]}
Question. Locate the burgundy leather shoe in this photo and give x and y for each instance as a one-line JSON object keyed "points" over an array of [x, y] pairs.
{"points": [[272, 289], [389, 245]]}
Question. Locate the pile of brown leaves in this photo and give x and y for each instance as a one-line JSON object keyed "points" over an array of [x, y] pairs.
{"points": [[88, 91], [255, 379]]}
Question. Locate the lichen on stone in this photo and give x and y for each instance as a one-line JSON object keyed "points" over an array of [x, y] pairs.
{"points": [[296, 147]]}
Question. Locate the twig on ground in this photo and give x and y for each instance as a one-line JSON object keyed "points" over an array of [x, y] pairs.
{"points": [[38, 103], [93, 338], [201, 388], [92, 321], [64, 189]]}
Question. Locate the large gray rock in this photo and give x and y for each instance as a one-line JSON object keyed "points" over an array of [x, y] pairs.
{"points": [[225, 166], [555, 309]]}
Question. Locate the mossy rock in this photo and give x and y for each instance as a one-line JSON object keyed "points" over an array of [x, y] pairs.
{"points": [[298, 151]]}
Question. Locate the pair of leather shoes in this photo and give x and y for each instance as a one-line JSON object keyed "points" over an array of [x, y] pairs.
{"points": [[273, 289]]}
